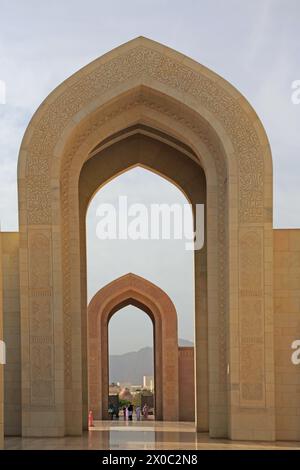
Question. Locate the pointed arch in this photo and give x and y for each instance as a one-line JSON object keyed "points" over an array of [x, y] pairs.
{"points": [[143, 82], [131, 289]]}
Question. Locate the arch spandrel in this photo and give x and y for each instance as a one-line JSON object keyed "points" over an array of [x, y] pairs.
{"points": [[132, 286], [139, 62]]}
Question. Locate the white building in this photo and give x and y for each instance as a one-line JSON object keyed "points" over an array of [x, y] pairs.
{"points": [[148, 382]]}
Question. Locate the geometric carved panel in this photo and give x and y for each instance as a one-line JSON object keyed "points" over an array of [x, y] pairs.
{"points": [[251, 318], [41, 321]]}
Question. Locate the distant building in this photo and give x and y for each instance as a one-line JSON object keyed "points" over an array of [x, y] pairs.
{"points": [[135, 388], [148, 382]]}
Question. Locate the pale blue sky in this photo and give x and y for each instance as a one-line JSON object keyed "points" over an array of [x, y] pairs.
{"points": [[166, 263], [131, 327], [255, 45]]}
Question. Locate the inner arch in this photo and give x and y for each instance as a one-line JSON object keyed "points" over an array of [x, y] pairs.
{"points": [[138, 146], [135, 303]]}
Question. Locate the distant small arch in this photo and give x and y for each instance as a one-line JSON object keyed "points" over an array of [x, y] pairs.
{"points": [[131, 289]]}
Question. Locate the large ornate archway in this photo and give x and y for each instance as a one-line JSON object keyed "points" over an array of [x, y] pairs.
{"points": [[134, 290], [193, 110]]}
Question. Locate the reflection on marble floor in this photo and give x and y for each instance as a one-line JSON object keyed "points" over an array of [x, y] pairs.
{"points": [[120, 435]]}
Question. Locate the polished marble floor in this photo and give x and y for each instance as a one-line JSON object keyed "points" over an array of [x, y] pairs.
{"points": [[148, 435]]}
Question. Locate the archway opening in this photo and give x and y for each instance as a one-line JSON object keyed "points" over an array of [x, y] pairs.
{"points": [[131, 373], [166, 262], [153, 256]]}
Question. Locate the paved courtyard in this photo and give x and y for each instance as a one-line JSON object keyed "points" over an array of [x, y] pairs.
{"points": [[147, 435]]}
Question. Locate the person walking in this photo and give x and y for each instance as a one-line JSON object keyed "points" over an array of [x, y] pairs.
{"points": [[145, 411], [111, 411], [138, 413], [130, 412]]}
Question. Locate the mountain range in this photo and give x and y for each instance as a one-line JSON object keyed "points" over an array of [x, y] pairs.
{"points": [[132, 366]]}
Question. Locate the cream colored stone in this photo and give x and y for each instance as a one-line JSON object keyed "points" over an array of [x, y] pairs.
{"points": [[286, 330]]}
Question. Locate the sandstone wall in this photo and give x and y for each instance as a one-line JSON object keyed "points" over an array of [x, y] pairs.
{"points": [[287, 330], [186, 384], [11, 333]]}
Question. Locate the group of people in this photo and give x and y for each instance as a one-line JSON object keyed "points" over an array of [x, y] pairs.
{"points": [[113, 411], [128, 412]]}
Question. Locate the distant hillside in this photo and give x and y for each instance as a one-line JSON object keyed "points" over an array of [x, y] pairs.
{"points": [[131, 367]]}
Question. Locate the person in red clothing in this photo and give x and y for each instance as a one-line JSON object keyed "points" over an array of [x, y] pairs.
{"points": [[145, 411]]}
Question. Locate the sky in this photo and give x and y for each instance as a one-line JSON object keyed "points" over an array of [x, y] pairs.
{"points": [[131, 318], [166, 263], [255, 45]]}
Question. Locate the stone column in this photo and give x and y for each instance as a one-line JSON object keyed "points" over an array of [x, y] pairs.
{"points": [[201, 342], [42, 340], [251, 373]]}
